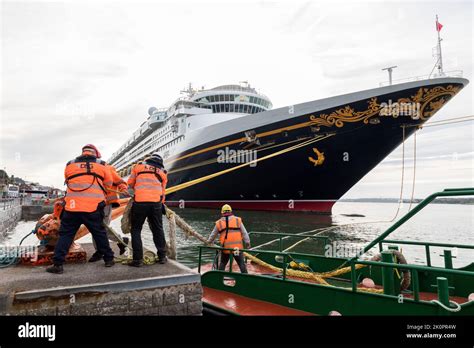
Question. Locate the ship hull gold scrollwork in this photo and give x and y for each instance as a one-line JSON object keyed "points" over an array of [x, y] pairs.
{"points": [[319, 160], [429, 100]]}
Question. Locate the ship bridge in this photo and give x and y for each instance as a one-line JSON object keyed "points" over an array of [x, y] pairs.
{"points": [[233, 98]]}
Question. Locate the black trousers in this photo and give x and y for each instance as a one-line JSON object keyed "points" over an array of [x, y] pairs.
{"points": [[239, 258], [151, 211], [70, 223]]}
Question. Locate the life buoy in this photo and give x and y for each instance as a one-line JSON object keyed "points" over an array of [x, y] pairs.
{"points": [[400, 259]]}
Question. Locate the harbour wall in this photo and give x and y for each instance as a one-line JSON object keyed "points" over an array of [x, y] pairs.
{"points": [[92, 289], [9, 217], [11, 214], [177, 299]]}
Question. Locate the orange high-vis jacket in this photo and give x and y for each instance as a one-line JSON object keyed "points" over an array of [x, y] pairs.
{"points": [[86, 179], [113, 197], [230, 236], [148, 182]]}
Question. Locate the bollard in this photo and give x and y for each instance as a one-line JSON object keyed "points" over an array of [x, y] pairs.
{"points": [[443, 290], [448, 259], [387, 274]]}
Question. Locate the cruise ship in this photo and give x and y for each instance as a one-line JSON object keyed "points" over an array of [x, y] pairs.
{"points": [[228, 145]]}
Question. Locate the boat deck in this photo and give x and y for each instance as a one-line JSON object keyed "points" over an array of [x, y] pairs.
{"points": [[242, 305]]}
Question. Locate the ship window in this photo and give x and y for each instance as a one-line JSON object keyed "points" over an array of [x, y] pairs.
{"points": [[241, 108], [231, 108], [227, 97], [211, 99], [226, 107]]}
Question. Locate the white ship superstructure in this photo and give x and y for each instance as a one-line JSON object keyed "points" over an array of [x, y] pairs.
{"points": [[165, 130]]}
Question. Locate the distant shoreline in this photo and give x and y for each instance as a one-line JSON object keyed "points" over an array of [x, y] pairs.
{"points": [[468, 201]]}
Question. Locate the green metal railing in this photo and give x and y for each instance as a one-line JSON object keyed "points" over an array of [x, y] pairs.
{"points": [[282, 236], [414, 270], [446, 193], [427, 245], [387, 264]]}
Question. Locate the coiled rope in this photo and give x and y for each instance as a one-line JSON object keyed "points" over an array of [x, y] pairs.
{"points": [[456, 305]]}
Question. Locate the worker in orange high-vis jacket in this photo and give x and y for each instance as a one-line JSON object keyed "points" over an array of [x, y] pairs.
{"points": [[148, 179], [232, 235], [112, 201], [86, 178]]}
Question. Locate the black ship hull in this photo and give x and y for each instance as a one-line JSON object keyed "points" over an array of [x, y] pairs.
{"points": [[343, 143]]}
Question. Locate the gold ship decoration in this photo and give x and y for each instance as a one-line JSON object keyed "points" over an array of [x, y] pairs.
{"points": [[319, 160], [430, 100]]}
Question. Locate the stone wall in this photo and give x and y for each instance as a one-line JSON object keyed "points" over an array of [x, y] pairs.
{"points": [[9, 218], [184, 299], [35, 212]]}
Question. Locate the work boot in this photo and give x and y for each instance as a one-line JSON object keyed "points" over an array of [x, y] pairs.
{"points": [[162, 260], [56, 269], [136, 263], [109, 263], [96, 257], [122, 247]]}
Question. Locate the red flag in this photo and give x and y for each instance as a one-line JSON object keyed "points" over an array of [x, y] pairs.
{"points": [[438, 26]]}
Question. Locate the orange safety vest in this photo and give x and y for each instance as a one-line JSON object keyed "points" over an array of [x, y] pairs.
{"points": [[85, 180], [230, 236], [149, 183], [112, 198]]}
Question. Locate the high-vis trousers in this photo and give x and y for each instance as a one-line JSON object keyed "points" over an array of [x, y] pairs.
{"points": [[70, 223], [151, 211]]}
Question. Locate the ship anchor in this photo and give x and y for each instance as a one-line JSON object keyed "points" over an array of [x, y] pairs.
{"points": [[320, 157]]}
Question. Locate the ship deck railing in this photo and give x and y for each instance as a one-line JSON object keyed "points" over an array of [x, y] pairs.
{"points": [[448, 255], [452, 73], [387, 264], [388, 269]]}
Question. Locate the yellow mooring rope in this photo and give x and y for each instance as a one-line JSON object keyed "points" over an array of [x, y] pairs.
{"points": [[318, 277]]}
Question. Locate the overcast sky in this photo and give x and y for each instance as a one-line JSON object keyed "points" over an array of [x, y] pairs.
{"points": [[86, 72]]}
